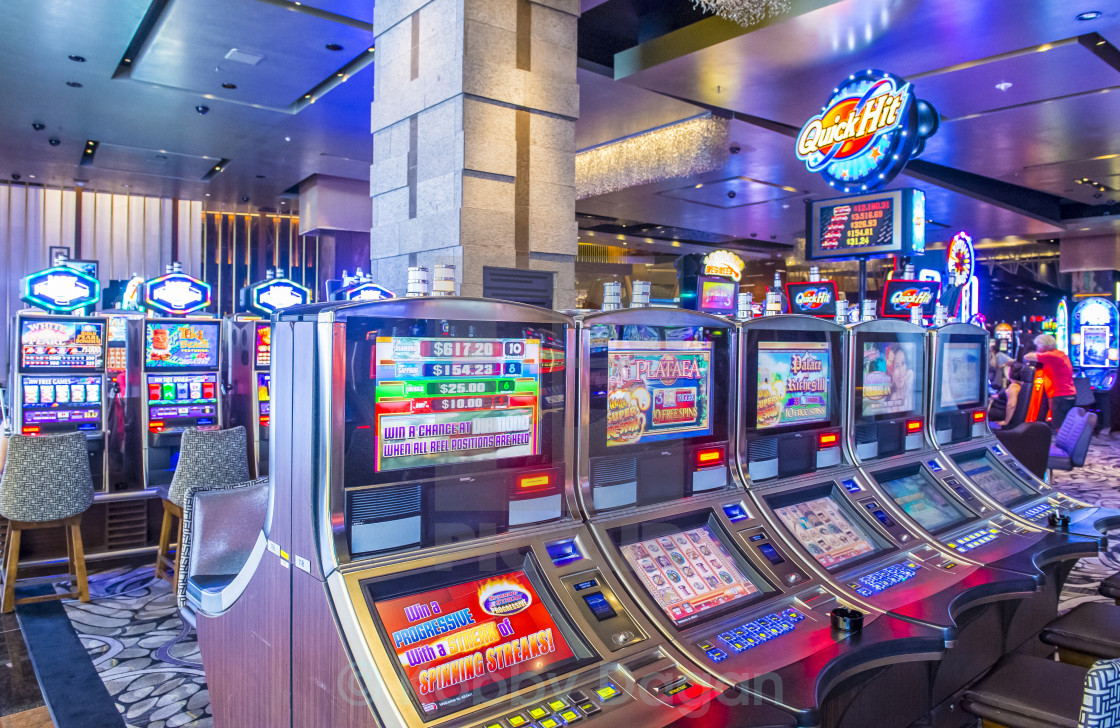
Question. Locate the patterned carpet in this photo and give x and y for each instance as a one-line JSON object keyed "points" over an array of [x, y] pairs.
{"points": [[150, 662]]}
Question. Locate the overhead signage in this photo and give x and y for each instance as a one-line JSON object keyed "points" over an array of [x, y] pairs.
{"points": [[812, 299], [60, 289], [885, 223], [367, 292], [176, 294], [276, 294], [961, 259], [1062, 320], [724, 263], [900, 296], [870, 128]]}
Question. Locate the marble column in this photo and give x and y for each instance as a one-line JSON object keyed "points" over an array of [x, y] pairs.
{"points": [[473, 125]]}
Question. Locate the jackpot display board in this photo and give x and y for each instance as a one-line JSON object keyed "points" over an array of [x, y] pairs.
{"points": [[181, 345], [262, 356], [52, 400], [891, 379], [793, 384], [824, 529], [926, 503], [442, 401], [688, 573], [961, 369], [73, 345], [454, 641], [886, 223], [658, 390]]}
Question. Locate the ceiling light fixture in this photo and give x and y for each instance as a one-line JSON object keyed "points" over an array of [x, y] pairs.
{"points": [[77, 59], [202, 109], [73, 84], [334, 47], [744, 12], [287, 139], [1090, 15], [229, 85], [1003, 85]]}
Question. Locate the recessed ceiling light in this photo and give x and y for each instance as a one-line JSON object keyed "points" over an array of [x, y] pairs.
{"points": [[1090, 15], [229, 85], [1003, 85], [78, 59], [287, 139], [207, 194], [73, 84], [126, 185], [30, 176], [333, 47]]}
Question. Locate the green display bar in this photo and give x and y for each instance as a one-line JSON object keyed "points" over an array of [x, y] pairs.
{"points": [[442, 387]]}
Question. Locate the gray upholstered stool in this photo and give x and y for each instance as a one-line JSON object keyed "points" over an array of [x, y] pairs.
{"points": [[46, 484], [206, 457]]}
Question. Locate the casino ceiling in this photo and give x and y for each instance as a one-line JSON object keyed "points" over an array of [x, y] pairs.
{"points": [[1027, 93]]}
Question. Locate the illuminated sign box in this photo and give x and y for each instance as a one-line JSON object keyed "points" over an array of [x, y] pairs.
{"points": [[177, 294], [812, 299], [884, 223], [366, 292], [61, 289], [900, 296], [276, 294]]}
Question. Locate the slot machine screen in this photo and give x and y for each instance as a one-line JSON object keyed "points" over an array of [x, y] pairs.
{"points": [[717, 296], [991, 477], [462, 643], [428, 398], [263, 348], [889, 376], [925, 502], [826, 528], [1094, 346], [264, 402], [181, 345], [689, 573], [793, 384], [962, 379], [73, 345], [74, 400]]}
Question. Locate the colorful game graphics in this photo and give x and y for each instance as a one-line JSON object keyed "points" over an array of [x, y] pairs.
{"points": [[186, 345], [822, 527], [793, 384], [900, 297], [658, 390], [62, 344], [816, 298], [446, 401], [891, 378]]}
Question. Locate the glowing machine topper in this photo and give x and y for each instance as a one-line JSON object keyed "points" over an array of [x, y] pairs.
{"points": [[870, 128], [176, 294], [367, 292], [275, 294], [60, 288], [724, 263], [1062, 319], [962, 259]]}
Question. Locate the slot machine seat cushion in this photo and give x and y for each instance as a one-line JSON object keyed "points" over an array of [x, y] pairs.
{"points": [[1029, 692], [209, 457], [1092, 629], [222, 525], [46, 478], [1029, 443], [1071, 444], [1110, 587]]}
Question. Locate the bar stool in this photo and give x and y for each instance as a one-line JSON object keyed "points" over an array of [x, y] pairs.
{"points": [[206, 457], [46, 484], [1032, 692]]}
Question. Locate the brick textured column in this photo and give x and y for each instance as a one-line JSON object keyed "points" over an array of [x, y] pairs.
{"points": [[473, 125]]}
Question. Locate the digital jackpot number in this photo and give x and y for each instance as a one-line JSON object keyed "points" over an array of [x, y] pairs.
{"points": [[461, 349], [487, 369], [456, 388]]}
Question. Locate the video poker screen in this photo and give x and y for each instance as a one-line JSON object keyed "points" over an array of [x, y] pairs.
{"points": [[62, 344], [961, 368], [827, 530], [262, 349], [181, 344], [889, 376], [467, 396], [994, 480], [463, 643], [689, 573], [793, 384], [925, 501]]}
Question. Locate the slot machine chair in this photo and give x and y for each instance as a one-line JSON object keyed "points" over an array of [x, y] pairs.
{"points": [[1071, 444], [221, 525], [1031, 692], [206, 457], [46, 484]]}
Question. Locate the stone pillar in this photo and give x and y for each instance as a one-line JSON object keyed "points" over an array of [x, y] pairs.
{"points": [[473, 124]]}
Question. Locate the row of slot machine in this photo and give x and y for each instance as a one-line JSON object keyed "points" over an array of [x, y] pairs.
{"points": [[501, 516]]}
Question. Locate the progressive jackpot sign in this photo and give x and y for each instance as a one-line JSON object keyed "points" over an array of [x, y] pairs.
{"points": [[658, 390], [864, 226], [871, 126]]}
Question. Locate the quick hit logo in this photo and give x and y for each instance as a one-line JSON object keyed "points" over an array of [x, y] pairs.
{"points": [[811, 299]]}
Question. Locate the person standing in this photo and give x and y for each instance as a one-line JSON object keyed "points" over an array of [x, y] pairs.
{"points": [[1057, 371], [997, 363]]}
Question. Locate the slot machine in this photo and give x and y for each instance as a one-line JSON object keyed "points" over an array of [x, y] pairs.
{"points": [[179, 372], [710, 283], [891, 409], [122, 370], [1008, 342], [423, 562], [961, 432], [1095, 342], [59, 381], [663, 499], [247, 378], [814, 502]]}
